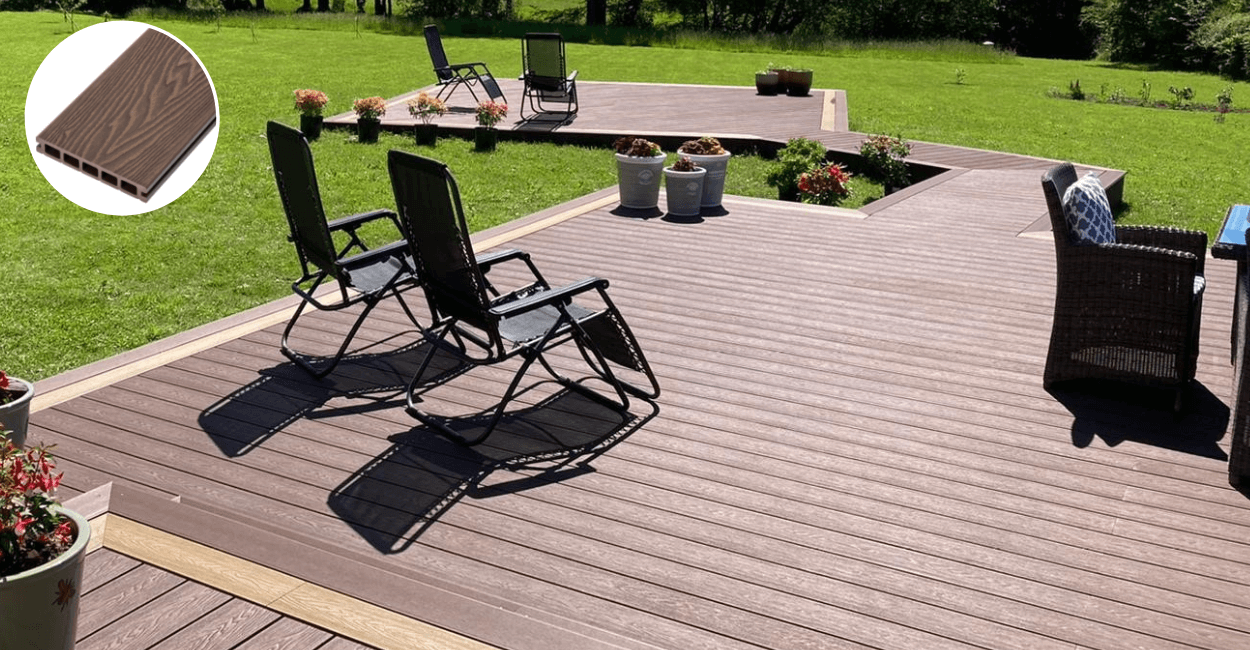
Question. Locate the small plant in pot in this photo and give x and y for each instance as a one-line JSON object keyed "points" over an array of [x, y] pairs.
{"points": [[489, 113], [798, 156], [425, 108], [825, 184], [767, 82], [639, 165], [707, 152], [310, 104], [369, 112], [42, 546], [683, 183], [15, 397], [883, 156]]}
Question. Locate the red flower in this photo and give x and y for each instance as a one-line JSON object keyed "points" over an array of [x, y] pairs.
{"points": [[4, 381]]}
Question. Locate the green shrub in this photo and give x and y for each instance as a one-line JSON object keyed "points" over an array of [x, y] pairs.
{"points": [[1225, 45], [797, 157]]}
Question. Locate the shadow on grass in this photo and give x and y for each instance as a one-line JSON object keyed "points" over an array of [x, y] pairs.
{"points": [[1117, 413], [395, 498]]}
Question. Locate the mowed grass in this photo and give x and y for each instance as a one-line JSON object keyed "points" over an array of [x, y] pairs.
{"points": [[81, 286]]}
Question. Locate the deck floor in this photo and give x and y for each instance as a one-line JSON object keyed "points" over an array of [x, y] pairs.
{"points": [[853, 450]]}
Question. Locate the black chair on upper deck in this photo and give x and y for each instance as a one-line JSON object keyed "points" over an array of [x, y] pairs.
{"points": [[543, 70], [453, 75], [1128, 299], [527, 322], [361, 275]]}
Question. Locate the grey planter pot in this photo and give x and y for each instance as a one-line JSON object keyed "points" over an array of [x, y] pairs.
{"points": [[684, 191], [39, 607], [639, 180], [15, 416], [714, 183]]}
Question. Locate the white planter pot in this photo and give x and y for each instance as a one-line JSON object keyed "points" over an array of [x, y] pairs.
{"points": [[684, 191], [39, 607], [15, 415], [714, 184], [639, 180]]}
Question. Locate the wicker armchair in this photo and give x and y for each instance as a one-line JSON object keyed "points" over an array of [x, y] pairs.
{"points": [[1128, 311]]}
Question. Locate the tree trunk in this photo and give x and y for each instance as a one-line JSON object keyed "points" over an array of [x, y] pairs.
{"points": [[379, 7], [260, 5], [596, 12], [323, 6], [306, 8]]}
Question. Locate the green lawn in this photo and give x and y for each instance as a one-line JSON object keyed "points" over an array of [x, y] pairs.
{"points": [[81, 286]]}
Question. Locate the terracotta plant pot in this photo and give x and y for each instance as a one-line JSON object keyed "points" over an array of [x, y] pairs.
{"points": [[639, 180], [798, 83], [485, 138], [367, 131], [310, 125], [426, 134], [15, 415], [766, 83], [684, 191], [39, 607]]}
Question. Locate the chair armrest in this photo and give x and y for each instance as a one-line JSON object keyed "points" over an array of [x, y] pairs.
{"points": [[393, 249], [1128, 268], [1189, 241], [549, 297], [486, 260], [471, 67], [572, 76], [352, 222]]}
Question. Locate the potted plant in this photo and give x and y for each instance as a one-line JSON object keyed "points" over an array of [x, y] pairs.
{"points": [[639, 163], [825, 184], [798, 82], [369, 112], [310, 103], [489, 113], [15, 396], [42, 547], [798, 156], [425, 108], [707, 152], [683, 187], [783, 75], [883, 156], [766, 82]]}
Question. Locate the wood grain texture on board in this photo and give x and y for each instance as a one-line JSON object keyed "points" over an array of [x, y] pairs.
{"points": [[138, 119]]}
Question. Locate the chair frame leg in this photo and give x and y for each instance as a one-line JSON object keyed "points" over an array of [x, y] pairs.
{"points": [[302, 360]]}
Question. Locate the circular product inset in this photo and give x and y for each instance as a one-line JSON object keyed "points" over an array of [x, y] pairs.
{"points": [[121, 118]]}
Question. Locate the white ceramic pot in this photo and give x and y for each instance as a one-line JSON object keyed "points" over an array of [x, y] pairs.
{"points": [[714, 184], [684, 191], [39, 607], [639, 180], [15, 416]]}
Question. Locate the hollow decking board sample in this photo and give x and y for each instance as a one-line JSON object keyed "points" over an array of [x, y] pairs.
{"points": [[137, 120]]}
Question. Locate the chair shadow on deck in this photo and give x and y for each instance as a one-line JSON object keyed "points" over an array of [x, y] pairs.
{"points": [[285, 393], [1116, 413], [394, 499]]}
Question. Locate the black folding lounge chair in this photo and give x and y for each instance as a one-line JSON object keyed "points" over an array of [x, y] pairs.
{"points": [[453, 75], [362, 275], [1125, 311], [543, 63], [527, 322]]}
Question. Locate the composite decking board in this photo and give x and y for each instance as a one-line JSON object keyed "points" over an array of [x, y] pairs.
{"points": [[286, 634], [223, 628], [123, 595], [102, 567], [156, 620], [139, 117]]}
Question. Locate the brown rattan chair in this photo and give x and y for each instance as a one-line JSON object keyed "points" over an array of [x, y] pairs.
{"points": [[1125, 311], [488, 328]]}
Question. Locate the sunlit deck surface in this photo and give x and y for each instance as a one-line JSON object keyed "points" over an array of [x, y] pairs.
{"points": [[853, 448]]}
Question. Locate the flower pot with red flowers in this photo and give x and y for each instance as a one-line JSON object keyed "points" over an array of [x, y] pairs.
{"points": [[826, 184], [369, 112], [42, 547], [310, 104], [15, 396], [707, 152], [639, 166], [489, 113], [683, 187], [426, 107]]}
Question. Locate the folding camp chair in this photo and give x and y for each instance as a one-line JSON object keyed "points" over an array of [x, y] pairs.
{"points": [[543, 63], [527, 322], [453, 75], [362, 275]]}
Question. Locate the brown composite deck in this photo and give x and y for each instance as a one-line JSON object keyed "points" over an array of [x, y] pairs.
{"points": [[853, 450]]}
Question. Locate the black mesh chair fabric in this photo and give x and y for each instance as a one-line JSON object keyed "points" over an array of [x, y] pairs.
{"points": [[1127, 311], [546, 84], [454, 75], [525, 322], [362, 275]]}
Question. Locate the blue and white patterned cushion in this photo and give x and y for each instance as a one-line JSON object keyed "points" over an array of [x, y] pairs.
{"points": [[1088, 212]]}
